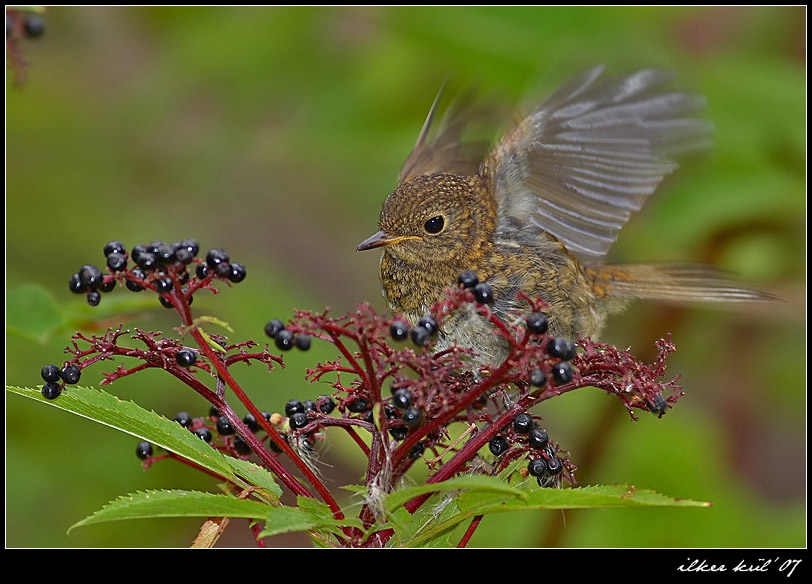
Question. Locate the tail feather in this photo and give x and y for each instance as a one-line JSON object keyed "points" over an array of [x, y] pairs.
{"points": [[674, 283]]}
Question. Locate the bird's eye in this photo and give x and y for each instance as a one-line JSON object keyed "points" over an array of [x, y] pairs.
{"points": [[434, 225]]}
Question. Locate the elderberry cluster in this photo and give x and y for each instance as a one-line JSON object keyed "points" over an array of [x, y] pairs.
{"points": [[56, 379], [529, 439], [158, 266], [30, 24]]}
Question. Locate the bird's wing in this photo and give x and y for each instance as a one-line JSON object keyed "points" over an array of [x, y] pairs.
{"points": [[592, 153], [452, 146]]}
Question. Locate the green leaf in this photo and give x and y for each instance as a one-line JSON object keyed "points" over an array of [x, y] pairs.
{"points": [[308, 516], [255, 475], [473, 504], [153, 504], [477, 484], [32, 312], [101, 407]]}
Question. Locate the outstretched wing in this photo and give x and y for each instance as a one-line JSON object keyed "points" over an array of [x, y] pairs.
{"points": [[453, 146], [592, 153]]}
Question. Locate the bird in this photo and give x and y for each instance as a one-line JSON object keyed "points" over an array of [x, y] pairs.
{"points": [[539, 210]]}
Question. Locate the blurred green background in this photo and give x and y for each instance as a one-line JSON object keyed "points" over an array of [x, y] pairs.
{"points": [[276, 133]]}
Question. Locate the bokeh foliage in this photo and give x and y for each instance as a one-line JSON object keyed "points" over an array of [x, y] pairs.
{"points": [[276, 132]]}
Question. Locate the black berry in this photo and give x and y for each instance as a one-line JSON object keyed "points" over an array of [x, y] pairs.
{"points": [[522, 423], [222, 269], [429, 323], [189, 245], [537, 467], [417, 451], [561, 348], [399, 330], [51, 374], [112, 247], [498, 445], [184, 419], [216, 256], [483, 293], [411, 417], [143, 450], [135, 286], [398, 432], [284, 340], [51, 390], [204, 434], [147, 260], [71, 374], [237, 273], [165, 302], [537, 323], [186, 357], [537, 378], [107, 285], [224, 427], [202, 271], [250, 421], [165, 254], [554, 465], [294, 406], [76, 285], [240, 446], [163, 285], [91, 276], [302, 342], [298, 420], [420, 336], [326, 404], [468, 279], [658, 404], [538, 438], [34, 26], [273, 327], [562, 372], [358, 405], [93, 297], [401, 398]]}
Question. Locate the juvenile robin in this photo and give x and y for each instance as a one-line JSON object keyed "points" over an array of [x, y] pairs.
{"points": [[542, 209]]}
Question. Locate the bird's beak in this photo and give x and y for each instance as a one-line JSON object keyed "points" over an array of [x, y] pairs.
{"points": [[382, 239]]}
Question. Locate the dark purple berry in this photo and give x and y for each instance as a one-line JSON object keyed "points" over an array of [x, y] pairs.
{"points": [[112, 247], [417, 451], [522, 423], [554, 465], [131, 284], [224, 427], [483, 293], [562, 372], [214, 412], [398, 432], [34, 26], [184, 419], [538, 438], [358, 405], [163, 285], [240, 446], [237, 273], [93, 297], [429, 323], [165, 302], [498, 445], [273, 327], [165, 254], [202, 271], [147, 260], [309, 405], [71, 374], [223, 269], [186, 357], [116, 261], [294, 406], [51, 390], [561, 348], [107, 285], [190, 245], [420, 336], [298, 420], [216, 256], [204, 434], [143, 450], [468, 279], [91, 276], [302, 342], [76, 285], [538, 378], [51, 374], [411, 417], [537, 323], [658, 404], [284, 340], [137, 251], [401, 398], [184, 256], [399, 330], [250, 421], [326, 404], [537, 467]]}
